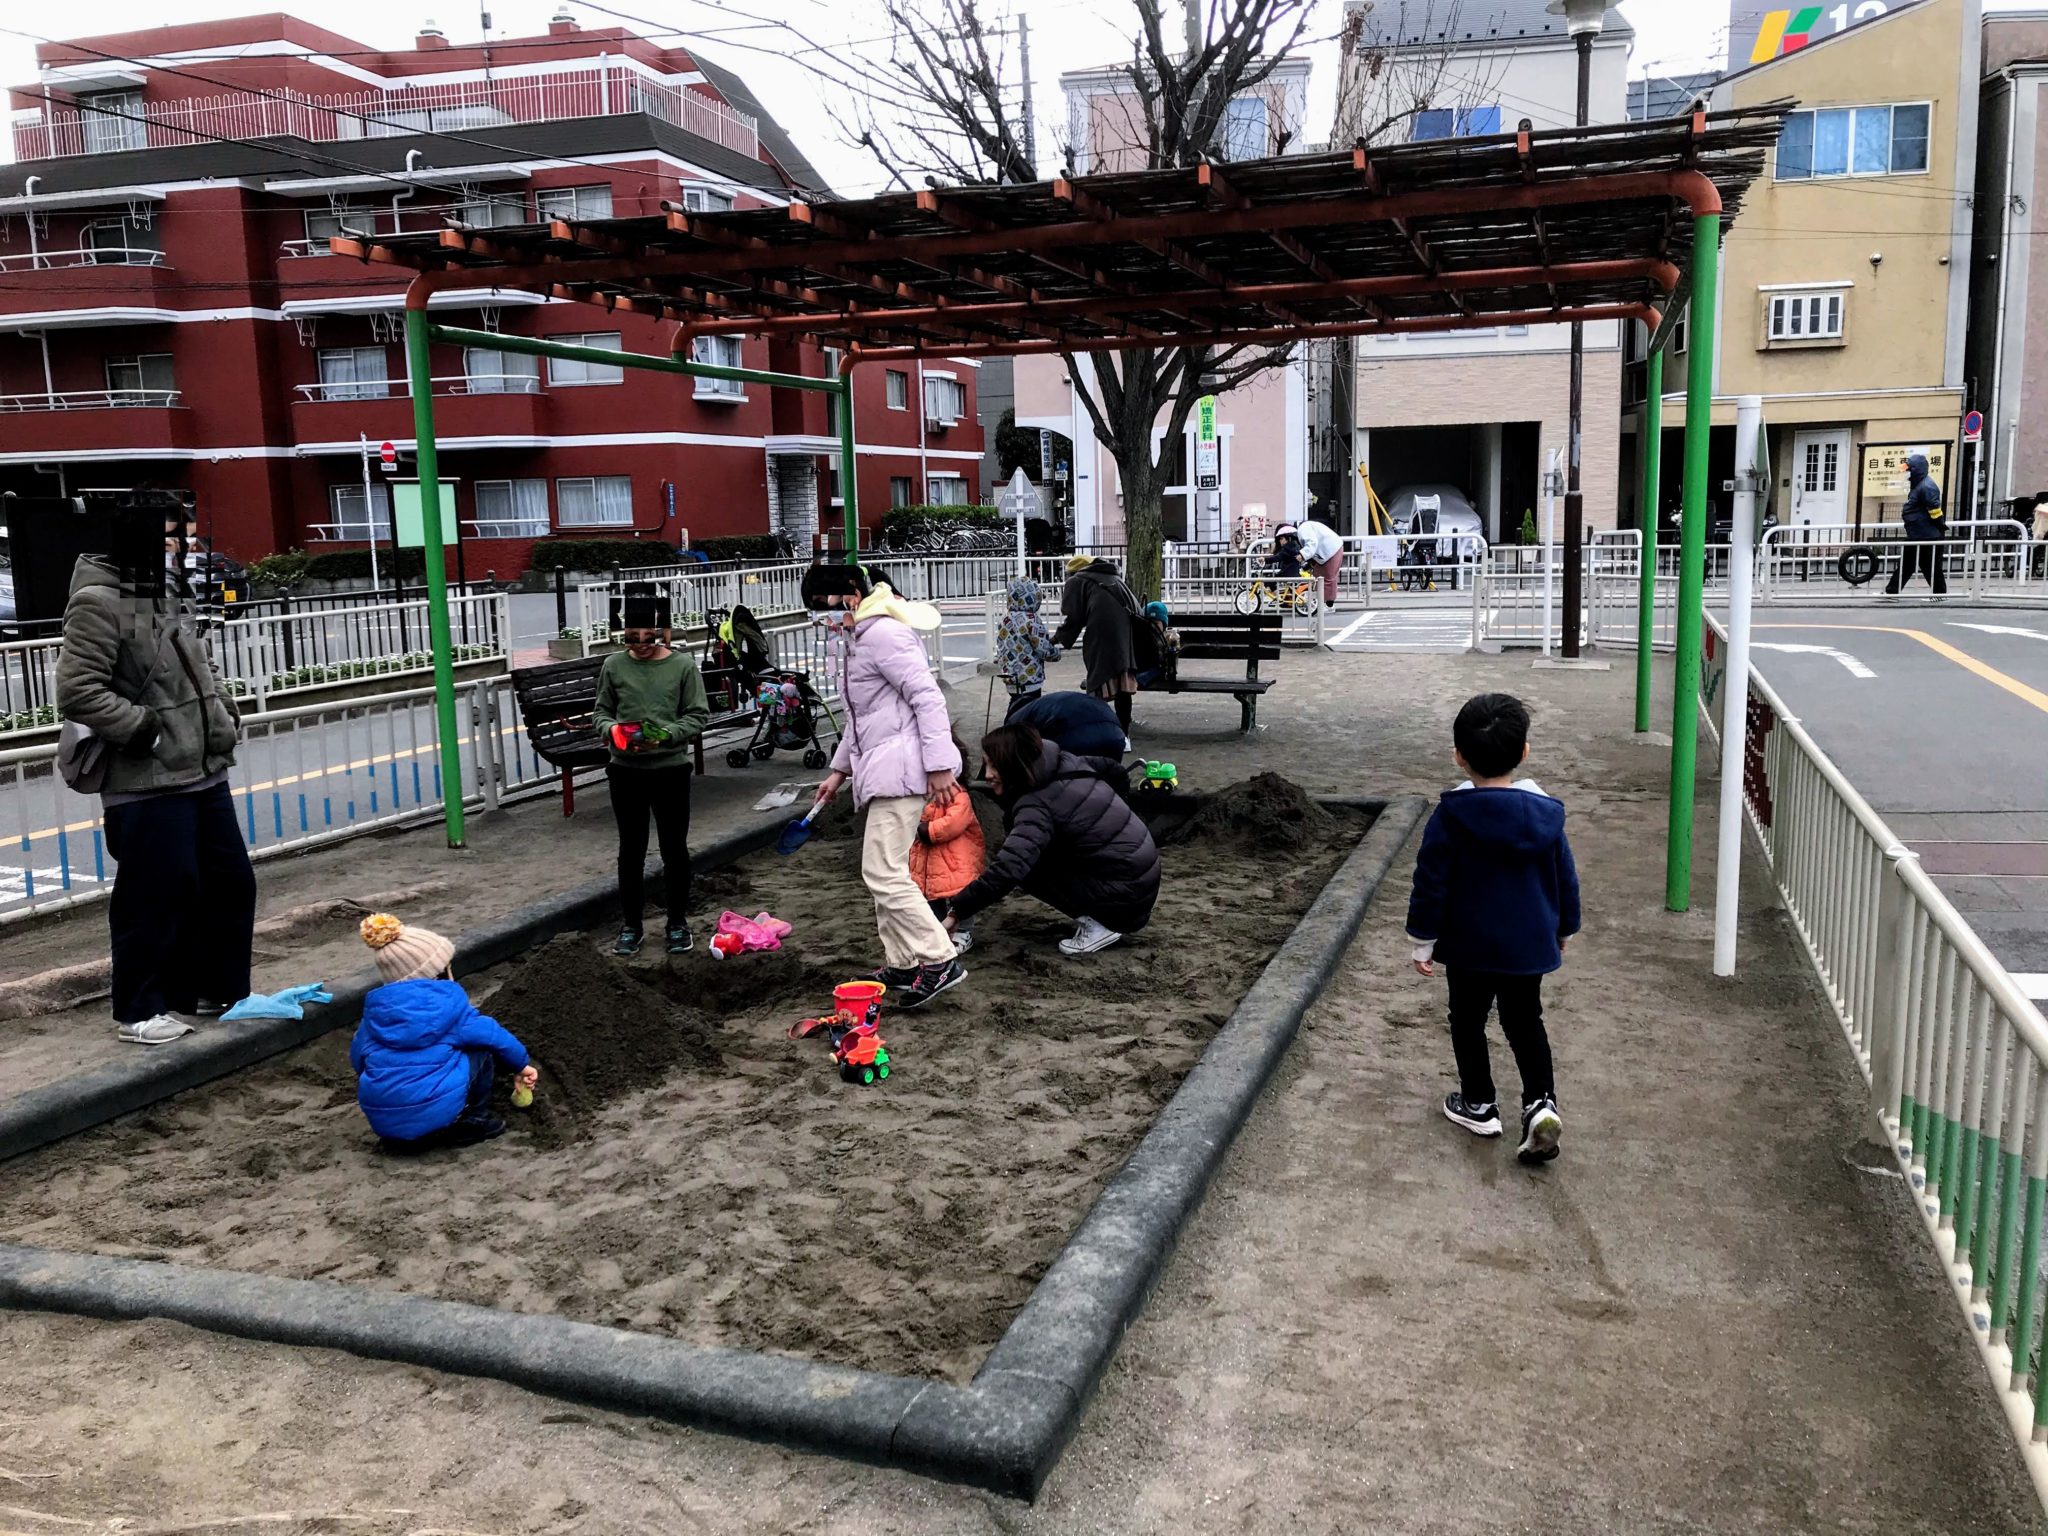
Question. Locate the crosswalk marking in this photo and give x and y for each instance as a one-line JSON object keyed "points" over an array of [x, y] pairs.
{"points": [[1407, 629]]}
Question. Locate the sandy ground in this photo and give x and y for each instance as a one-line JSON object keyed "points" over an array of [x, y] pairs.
{"points": [[1711, 1314], [689, 1170]]}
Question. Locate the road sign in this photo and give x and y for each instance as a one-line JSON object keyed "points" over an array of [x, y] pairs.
{"points": [[1207, 477], [387, 455], [1973, 427], [1020, 497], [1044, 449]]}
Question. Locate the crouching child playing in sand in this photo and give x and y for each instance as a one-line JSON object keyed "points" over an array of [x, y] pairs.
{"points": [[423, 1056], [949, 855], [1496, 898]]}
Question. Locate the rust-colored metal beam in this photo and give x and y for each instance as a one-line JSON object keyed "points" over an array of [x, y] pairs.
{"points": [[1691, 187], [1525, 151], [1362, 163], [1223, 195]]}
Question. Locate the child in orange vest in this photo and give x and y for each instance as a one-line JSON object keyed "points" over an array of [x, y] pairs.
{"points": [[949, 854]]}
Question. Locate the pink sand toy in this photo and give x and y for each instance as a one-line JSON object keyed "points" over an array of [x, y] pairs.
{"points": [[737, 934]]}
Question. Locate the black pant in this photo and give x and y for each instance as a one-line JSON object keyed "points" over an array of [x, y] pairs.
{"points": [[663, 793], [1924, 558], [1122, 705], [1018, 701], [184, 904], [1473, 994]]}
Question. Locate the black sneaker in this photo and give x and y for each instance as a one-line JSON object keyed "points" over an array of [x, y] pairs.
{"points": [[889, 976], [930, 981], [679, 940], [628, 942], [1479, 1119], [1541, 1126]]}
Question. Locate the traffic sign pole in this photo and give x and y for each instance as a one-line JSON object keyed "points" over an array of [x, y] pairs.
{"points": [[370, 508]]}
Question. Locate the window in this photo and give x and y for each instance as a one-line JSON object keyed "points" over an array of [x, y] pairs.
{"points": [[605, 501], [1804, 317], [947, 490], [1853, 141], [945, 400], [141, 380], [1455, 123], [899, 490], [1246, 131], [563, 370], [488, 211], [1678, 331], [511, 509], [487, 371], [113, 120], [706, 199], [351, 520], [353, 373], [899, 389], [123, 242], [1820, 468], [575, 203], [324, 224], [720, 352]]}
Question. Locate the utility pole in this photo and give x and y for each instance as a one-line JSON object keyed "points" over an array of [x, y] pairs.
{"points": [[1030, 117]]}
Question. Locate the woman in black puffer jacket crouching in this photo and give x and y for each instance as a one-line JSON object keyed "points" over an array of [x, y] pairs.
{"points": [[1072, 841]]}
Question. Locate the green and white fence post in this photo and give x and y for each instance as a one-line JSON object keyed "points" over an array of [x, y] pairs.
{"points": [[435, 558], [1692, 579]]}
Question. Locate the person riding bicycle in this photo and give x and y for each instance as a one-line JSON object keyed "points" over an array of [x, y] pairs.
{"points": [[1286, 558]]}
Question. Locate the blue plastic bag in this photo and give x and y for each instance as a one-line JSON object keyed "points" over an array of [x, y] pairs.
{"points": [[282, 1005]]}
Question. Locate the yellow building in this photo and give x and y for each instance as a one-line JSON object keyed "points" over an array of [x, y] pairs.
{"points": [[1844, 284]]}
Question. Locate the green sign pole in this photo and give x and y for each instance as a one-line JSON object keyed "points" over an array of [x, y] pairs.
{"points": [[1685, 685], [422, 372], [849, 488], [1646, 516]]}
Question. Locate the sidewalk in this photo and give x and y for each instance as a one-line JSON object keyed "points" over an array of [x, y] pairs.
{"points": [[1712, 1314]]}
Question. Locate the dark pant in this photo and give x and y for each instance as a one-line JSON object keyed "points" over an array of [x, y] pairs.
{"points": [[1122, 705], [184, 904], [1018, 701], [1124, 916], [664, 794], [1473, 995], [1925, 559]]}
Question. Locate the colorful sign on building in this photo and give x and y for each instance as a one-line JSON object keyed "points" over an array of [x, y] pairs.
{"points": [[1761, 32]]}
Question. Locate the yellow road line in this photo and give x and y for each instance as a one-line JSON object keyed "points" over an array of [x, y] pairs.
{"points": [[1963, 659]]}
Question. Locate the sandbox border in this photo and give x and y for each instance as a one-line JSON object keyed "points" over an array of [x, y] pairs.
{"points": [[1004, 1431]]}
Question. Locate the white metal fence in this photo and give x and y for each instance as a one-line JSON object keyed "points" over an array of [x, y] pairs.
{"points": [[1955, 1053], [1990, 560]]}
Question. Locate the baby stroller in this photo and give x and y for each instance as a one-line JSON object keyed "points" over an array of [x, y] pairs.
{"points": [[1419, 552], [736, 655], [786, 712]]}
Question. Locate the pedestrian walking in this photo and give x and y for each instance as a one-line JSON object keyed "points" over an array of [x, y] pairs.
{"points": [[1495, 900], [1925, 530], [133, 673], [1100, 611]]}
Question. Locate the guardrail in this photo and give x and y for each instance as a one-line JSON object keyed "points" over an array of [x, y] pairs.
{"points": [[83, 256], [91, 400], [301, 777], [1955, 1054], [1985, 560]]}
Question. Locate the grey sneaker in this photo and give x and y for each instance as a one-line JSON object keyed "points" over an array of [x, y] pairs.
{"points": [[1479, 1119], [159, 1030], [1088, 937]]}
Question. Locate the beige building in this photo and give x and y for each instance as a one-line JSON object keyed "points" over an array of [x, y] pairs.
{"points": [[1844, 284]]}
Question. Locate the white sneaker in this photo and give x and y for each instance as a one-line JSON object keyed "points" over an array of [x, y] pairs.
{"points": [[1088, 938], [963, 941], [160, 1030]]}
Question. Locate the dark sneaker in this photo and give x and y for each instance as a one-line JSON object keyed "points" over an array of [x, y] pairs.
{"points": [[467, 1132], [1541, 1126], [628, 942], [679, 940], [897, 981], [1479, 1119], [930, 981]]}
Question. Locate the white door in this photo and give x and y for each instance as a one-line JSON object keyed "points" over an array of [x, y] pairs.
{"points": [[1820, 478]]}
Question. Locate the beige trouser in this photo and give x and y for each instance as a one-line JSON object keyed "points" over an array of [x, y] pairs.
{"points": [[910, 934]]}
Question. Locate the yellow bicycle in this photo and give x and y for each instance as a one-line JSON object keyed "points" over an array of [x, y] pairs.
{"points": [[1289, 594]]}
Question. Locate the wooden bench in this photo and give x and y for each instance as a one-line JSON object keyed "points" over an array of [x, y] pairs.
{"points": [[1225, 637]]}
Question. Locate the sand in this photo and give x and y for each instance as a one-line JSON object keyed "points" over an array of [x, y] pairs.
{"points": [[686, 1168]]}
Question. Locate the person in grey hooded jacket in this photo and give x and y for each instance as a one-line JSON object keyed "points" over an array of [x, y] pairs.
{"points": [[1925, 530], [134, 673]]}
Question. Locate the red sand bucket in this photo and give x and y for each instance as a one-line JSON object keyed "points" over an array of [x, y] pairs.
{"points": [[856, 997]]}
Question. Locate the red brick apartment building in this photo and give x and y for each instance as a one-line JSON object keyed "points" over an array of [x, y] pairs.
{"points": [[169, 311]]}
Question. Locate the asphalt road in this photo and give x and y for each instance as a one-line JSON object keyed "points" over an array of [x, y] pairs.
{"points": [[1938, 714]]}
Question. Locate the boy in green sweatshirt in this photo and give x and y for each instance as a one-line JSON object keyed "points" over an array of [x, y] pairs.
{"points": [[651, 706]]}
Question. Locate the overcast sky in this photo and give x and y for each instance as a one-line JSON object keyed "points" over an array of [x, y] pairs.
{"points": [[1671, 36]]}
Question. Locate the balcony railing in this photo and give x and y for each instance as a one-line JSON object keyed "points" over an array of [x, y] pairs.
{"points": [[454, 384], [455, 107], [83, 256], [91, 400]]}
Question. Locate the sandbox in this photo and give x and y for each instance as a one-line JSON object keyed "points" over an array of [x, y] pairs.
{"points": [[693, 1178]]}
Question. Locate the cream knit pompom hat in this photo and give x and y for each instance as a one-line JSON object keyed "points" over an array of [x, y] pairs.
{"points": [[405, 954]]}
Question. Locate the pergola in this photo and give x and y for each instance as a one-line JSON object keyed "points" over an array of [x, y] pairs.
{"points": [[1518, 229]]}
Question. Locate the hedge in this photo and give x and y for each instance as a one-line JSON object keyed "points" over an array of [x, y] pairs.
{"points": [[745, 546], [599, 555], [354, 564], [901, 524]]}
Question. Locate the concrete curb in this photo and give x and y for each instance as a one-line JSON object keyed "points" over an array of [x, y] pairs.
{"points": [[1004, 1431], [147, 1076]]}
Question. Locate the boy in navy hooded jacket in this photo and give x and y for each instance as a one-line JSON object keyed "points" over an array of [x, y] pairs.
{"points": [[1496, 897], [424, 1057]]}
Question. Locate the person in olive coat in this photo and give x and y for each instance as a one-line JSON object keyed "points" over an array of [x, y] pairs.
{"points": [[1100, 611], [1071, 840]]}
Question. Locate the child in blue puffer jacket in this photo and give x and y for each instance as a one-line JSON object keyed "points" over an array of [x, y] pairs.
{"points": [[423, 1056]]}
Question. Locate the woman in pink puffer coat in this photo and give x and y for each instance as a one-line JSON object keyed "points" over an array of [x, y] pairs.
{"points": [[897, 748]]}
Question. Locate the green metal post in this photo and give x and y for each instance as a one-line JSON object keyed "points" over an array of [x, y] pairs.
{"points": [[1646, 516], [2030, 1281], [849, 489], [2010, 1178], [437, 568], [1685, 684]]}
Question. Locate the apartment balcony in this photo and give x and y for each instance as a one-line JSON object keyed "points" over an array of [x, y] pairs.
{"points": [[500, 410], [140, 421], [64, 289]]}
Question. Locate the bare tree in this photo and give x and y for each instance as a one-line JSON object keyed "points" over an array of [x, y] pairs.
{"points": [[939, 102]]}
